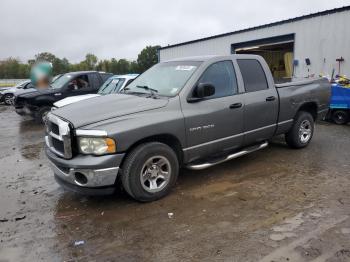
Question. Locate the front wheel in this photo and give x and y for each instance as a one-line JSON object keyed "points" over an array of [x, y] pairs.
{"points": [[340, 117], [150, 171], [301, 133], [40, 115], [8, 99]]}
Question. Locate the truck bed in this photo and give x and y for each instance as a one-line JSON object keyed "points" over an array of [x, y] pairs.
{"points": [[314, 93], [296, 82]]}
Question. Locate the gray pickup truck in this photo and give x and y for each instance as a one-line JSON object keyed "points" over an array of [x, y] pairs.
{"points": [[193, 113]]}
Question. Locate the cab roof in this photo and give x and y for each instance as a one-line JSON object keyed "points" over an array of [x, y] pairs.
{"points": [[211, 57]]}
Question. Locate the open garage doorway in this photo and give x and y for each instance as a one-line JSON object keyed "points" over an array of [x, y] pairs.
{"points": [[277, 51]]}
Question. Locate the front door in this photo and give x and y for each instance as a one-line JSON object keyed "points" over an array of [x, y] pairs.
{"points": [[215, 124], [79, 85]]}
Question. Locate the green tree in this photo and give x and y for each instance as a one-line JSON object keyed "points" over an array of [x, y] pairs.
{"points": [[113, 66], [148, 57], [134, 67], [104, 65], [59, 66], [91, 61], [45, 57], [123, 66], [13, 68]]}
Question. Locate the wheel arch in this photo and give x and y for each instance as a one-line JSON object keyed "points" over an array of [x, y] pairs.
{"points": [[172, 141], [310, 107]]}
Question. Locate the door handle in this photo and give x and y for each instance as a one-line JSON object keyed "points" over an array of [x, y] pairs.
{"points": [[235, 105], [270, 98]]}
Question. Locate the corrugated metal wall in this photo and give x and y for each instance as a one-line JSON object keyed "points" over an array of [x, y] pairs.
{"points": [[323, 39]]}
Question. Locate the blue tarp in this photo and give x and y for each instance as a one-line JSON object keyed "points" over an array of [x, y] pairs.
{"points": [[340, 97]]}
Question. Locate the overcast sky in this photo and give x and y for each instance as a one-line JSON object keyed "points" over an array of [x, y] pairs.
{"points": [[120, 29]]}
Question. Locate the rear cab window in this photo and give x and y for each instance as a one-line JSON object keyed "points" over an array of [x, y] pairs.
{"points": [[253, 75]]}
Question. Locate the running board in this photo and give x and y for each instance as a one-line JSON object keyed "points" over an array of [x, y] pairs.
{"points": [[245, 151]]}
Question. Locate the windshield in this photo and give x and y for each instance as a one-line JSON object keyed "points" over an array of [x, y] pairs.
{"points": [[111, 86], [166, 79], [61, 81], [21, 84], [55, 78]]}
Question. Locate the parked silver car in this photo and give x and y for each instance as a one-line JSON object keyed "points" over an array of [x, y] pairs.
{"points": [[7, 95]]}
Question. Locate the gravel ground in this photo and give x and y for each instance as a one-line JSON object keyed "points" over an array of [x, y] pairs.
{"points": [[277, 204]]}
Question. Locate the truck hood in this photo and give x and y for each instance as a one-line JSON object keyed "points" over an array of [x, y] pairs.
{"points": [[32, 92], [105, 107], [73, 99]]}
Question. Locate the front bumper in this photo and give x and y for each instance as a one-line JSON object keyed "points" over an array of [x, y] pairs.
{"points": [[92, 175], [95, 191]]}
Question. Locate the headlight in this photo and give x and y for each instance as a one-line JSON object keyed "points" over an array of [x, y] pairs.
{"points": [[96, 145]]}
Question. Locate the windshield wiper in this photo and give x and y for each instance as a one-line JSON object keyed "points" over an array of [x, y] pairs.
{"points": [[126, 90], [151, 90]]}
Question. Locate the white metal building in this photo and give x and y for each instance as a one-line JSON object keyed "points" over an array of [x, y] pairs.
{"points": [[300, 46]]}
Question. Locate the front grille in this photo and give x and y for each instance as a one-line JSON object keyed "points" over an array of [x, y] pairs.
{"points": [[54, 128], [58, 137], [57, 144]]}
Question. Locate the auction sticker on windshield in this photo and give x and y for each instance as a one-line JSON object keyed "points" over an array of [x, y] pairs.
{"points": [[185, 67]]}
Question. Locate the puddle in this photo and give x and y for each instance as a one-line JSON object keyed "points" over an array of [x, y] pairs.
{"points": [[285, 230], [32, 151], [290, 224]]}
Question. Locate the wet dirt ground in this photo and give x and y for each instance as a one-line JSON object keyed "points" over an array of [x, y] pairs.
{"points": [[277, 204]]}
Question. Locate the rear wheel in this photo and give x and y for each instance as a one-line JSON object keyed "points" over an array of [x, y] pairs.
{"points": [[40, 115], [301, 133], [340, 117], [150, 171], [8, 99]]}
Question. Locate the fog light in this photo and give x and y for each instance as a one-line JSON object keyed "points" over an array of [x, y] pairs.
{"points": [[80, 178]]}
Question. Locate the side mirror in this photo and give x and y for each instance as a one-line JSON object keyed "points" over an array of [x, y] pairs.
{"points": [[201, 91], [204, 90]]}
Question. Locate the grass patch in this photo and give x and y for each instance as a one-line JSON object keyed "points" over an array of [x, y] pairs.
{"points": [[6, 85]]}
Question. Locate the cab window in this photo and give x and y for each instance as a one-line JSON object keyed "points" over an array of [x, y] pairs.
{"points": [[222, 76], [253, 74], [80, 82]]}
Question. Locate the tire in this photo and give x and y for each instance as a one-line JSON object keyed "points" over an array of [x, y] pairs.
{"points": [[340, 117], [8, 99], [149, 162], [300, 135], [40, 114]]}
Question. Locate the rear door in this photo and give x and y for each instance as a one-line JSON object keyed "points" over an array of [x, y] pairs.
{"points": [[260, 100], [95, 82], [215, 124]]}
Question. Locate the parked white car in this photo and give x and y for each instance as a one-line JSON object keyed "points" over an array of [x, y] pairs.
{"points": [[113, 85], [8, 94]]}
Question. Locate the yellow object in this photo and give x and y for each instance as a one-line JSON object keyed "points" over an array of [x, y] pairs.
{"points": [[343, 81], [288, 63]]}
